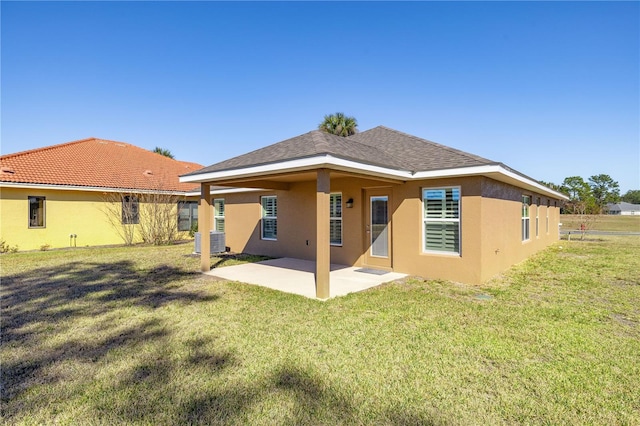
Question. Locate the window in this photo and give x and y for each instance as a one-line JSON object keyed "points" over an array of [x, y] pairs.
{"points": [[218, 214], [537, 216], [548, 207], [130, 214], [441, 219], [269, 228], [36, 212], [335, 221], [187, 215], [526, 200], [379, 221]]}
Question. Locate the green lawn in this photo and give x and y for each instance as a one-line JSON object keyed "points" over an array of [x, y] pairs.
{"points": [[602, 222], [136, 336]]}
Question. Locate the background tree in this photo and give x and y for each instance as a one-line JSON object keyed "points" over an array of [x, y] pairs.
{"points": [[604, 190], [551, 185], [121, 210], [159, 217], [150, 217], [339, 124], [163, 151], [581, 200], [632, 196]]}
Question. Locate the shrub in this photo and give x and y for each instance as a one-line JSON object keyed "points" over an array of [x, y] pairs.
{"points": [[6, 248], [194, 229]]}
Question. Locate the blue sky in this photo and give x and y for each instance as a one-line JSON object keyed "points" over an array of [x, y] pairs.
{"points": [[550, 89]]}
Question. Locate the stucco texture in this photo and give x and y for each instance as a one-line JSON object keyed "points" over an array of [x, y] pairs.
{"points": [[490, 230], [67, 212]]}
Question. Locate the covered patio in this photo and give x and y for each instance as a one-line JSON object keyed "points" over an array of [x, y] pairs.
{"points": [[380, 199], [297, 276], [300, 173]]}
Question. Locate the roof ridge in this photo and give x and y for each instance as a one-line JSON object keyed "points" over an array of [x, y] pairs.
{"points": [[319, 141], [59, 145], [445, 147], [324, 142], [190, 163], [95, 162], [375, 148], [399, 163], [90, 139]]}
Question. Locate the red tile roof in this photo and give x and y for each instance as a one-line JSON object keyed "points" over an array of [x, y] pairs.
{"points": [[96, 163]]}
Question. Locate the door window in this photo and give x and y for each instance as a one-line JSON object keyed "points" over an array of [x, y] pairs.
{"points": [[379, 226]]}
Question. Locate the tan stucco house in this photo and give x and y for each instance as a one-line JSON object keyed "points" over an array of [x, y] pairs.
{"points": [[379, 199]]}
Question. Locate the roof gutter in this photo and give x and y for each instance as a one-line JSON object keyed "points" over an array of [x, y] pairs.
{"points": [[86, 188]]}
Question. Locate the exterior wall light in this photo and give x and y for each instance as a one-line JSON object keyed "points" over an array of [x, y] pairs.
{"points": [[350, 203]]}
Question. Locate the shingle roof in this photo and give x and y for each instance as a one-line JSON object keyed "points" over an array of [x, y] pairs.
{"points": [[96, 163], [415, 153], [379, 146], [623, 206]]}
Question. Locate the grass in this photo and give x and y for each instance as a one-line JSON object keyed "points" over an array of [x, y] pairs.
{"points": [[603, 223], [135, 336]]}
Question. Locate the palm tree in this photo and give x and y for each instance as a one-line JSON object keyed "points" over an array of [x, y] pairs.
{"points": [[339, 124], [163, 151]]}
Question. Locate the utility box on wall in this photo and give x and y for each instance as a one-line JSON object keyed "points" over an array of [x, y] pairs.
{"points": [[217, 242]]}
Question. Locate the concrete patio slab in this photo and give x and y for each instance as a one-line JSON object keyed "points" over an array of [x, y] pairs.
{"points": [[297, 276]]}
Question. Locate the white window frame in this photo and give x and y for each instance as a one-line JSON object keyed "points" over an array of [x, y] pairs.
{"points": [[192, 207], [525, 218], [537, 217], [217, 216], [548, 207], [269, 217], [442, 220], [333, 218]]}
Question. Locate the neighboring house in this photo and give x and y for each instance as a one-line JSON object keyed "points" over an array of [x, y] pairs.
{"points": [[622, 208], [380, 199], [57, 196]]}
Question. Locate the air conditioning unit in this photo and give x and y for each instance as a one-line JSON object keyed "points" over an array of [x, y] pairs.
{"points": [[217, 242]]}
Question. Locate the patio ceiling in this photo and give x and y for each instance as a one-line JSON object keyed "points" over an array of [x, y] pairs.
{"points": [[282, 181]]}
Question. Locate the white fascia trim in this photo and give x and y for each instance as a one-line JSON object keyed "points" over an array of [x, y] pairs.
{"points": [[37, 186], [300, 165], [460, 171], [352, 166], [487, 171], [226, 191]]}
